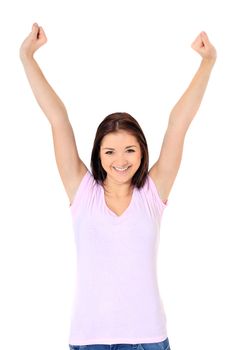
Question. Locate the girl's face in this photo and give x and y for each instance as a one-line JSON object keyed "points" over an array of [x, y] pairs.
{"points": [[120, 155]]}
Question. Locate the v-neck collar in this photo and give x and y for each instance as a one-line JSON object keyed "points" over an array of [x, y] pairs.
{"points": [[112, 213]]}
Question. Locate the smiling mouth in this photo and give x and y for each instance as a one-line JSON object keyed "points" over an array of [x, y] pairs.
{"points": [[121, 170]]}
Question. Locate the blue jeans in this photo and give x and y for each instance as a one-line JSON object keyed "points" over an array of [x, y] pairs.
{"points": [[163, 345]]}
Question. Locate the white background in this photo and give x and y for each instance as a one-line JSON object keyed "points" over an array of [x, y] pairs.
{"points": [[102, 57]]}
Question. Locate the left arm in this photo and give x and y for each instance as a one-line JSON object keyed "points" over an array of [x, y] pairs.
{"points": [[164, 171]]}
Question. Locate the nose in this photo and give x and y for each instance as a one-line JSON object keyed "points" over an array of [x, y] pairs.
{"points": [[121, 163], [121, 160]]}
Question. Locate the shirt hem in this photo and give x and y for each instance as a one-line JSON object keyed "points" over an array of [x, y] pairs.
{"points": [[109, 341]]}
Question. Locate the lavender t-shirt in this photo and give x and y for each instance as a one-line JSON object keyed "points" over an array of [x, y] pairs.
{"points": [[117, 297]]}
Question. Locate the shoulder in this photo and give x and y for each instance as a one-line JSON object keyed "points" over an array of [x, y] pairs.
{"points": [[155, 186], [85, 185]]}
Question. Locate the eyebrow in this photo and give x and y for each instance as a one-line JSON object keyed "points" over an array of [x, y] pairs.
{"points": [[114, 148]]}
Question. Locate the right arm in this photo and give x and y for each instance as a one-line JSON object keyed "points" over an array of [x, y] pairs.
{"points": [[71, 168]]}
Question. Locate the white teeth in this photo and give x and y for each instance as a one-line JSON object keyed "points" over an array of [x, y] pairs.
{"points": [[121, 169]]}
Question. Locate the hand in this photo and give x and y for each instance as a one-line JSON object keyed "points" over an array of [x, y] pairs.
{"points": [[33, 42], [204, 47]]}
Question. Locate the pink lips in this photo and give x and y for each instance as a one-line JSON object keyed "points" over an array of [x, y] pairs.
{"points": [[121, 171]]}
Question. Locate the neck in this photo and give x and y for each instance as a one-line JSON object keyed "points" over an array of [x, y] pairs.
{"points": [[117, 190]]}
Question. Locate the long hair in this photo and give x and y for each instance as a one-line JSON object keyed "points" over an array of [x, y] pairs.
{"points": [[112, 123]]}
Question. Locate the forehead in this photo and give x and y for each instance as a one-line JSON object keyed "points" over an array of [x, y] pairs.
{"points": [[120, 138]]}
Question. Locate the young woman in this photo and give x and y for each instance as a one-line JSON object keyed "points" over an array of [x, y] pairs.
{"points": [[116, 210]]}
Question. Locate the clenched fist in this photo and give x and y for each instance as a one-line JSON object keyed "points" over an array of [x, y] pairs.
{"points": [[203, 46], [33, 41]]}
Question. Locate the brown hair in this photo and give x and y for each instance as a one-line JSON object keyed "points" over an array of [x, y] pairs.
{"points": [[112, 123]]}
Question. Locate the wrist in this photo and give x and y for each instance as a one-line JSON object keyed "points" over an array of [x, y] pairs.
{"points": [[207, 64], [26, 57], [210, 61]]}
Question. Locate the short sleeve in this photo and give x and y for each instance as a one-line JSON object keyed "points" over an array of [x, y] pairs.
{"points": [[82, 192], [153, 189]]}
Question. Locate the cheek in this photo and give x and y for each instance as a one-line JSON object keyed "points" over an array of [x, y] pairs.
{"points": [[104, 160], [140, 156]]}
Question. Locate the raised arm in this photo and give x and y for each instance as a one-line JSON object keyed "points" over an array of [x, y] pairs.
{"points": [[164, 171], [70, 166]]}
